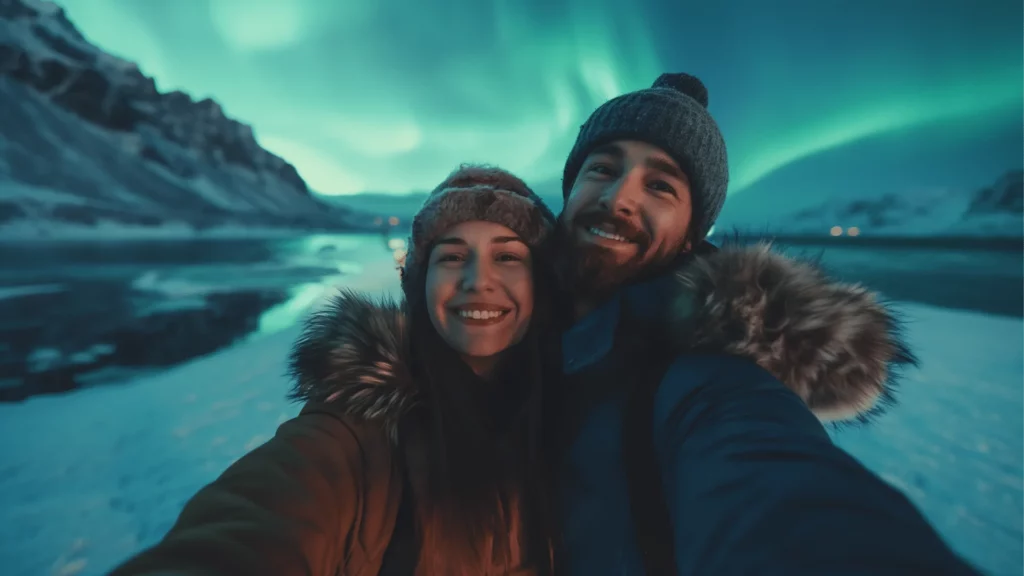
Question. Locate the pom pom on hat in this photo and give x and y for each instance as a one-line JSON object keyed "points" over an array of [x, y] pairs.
{"points": [[689, 85]]}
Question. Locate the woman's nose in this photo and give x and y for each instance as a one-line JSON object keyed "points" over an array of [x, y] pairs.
{"points": [[478, 276]]}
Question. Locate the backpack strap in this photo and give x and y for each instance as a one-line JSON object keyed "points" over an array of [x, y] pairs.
{"points": [[649, 508]]}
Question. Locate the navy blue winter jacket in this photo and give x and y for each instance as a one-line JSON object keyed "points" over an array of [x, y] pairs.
{"points": [[767, 349]]}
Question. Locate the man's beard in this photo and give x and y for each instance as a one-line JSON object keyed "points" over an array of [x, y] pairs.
{"points": [[590, 271]]}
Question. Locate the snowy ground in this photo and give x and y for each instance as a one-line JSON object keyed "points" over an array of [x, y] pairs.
{"points": [[87, 479], [955, 445]]}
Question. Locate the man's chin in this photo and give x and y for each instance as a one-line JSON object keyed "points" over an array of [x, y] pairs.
{"points": [[597, 270]]}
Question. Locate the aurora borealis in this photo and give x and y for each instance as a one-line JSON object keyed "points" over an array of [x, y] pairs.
{"points": [[391, 95]]}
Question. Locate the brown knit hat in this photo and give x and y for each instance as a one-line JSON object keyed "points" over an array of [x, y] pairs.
{"points": [[476, 192]]}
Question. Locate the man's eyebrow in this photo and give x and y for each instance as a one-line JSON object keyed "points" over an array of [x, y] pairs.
{"points": [[667, 167], [611, 149], [506, 239], [452, 240], [663, 165]]}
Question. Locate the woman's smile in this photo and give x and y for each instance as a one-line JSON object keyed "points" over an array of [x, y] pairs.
{"points": [[480, 314]]}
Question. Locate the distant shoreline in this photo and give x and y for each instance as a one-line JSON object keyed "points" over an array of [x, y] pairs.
{"points": [[126, 234], [993, 244]]}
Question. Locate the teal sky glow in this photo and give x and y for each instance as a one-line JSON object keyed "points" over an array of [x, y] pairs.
{"points": [[390, 96]]}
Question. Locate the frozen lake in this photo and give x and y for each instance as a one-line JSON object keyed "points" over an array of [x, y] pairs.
{"points": [[89, 476]]}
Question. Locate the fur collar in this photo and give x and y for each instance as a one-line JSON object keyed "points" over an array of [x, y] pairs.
{"points": [[836, 345], [353, 354]]}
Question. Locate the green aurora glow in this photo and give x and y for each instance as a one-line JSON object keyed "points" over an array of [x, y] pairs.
{"points": [[390, 96]]}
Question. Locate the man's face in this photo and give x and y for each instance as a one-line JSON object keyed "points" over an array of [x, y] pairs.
{"points": [[628, 213]]}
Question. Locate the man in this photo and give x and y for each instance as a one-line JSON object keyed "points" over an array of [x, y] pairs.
{"points": [[692, 376]]}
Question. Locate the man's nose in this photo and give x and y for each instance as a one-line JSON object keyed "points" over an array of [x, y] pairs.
{"points": [[622, 196]]}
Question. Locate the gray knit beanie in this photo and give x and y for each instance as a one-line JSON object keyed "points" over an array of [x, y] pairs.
{"points": [[672, 114], [475, 192]]}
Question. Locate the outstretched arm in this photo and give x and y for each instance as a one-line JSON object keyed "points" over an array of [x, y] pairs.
{"points": [[294, 506], [755, 485]]}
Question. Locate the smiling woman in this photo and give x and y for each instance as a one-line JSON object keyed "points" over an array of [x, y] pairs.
{"points": [[418, 449], [480, 291]]}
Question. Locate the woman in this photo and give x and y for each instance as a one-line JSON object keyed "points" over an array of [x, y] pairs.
{"points": [[417, 451]]}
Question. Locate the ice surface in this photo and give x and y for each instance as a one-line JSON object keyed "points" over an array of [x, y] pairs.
{"points": [[9, 292], [955, 445], [88, 478], [24, 230]]}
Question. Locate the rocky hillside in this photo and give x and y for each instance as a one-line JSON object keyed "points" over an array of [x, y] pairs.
{"points": [[995, 211], [87, 141], [404, 206]]}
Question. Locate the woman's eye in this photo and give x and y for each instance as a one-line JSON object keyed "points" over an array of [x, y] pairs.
{"points": [[509, 258]]}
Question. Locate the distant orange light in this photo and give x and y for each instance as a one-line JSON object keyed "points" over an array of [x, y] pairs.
{"points": [[836, 231], [853, 231], [399, 256], [393, 221]]}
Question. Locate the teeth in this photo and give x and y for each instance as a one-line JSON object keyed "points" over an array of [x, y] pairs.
{"points": [[480, 314], [598, 232]]}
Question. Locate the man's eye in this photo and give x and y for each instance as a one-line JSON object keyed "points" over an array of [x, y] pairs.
{"points": [[508, 257], [662, 186], [602, 169], [450, 258]]}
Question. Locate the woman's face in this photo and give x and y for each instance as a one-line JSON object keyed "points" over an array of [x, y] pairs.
{"points": [[480, 291]]}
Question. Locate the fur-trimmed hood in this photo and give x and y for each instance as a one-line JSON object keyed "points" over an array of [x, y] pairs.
{"points": [[836, 345], [354, 353]]}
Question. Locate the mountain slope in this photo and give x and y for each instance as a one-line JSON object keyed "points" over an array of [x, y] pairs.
{"points": [[86, 140], [996, 211], [405, 206]]}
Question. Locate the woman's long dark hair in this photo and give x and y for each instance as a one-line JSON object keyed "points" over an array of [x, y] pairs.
{"points": [[480, 443]]}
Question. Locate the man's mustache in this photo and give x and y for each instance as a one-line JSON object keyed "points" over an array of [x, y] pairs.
{"points": [[625, 228]]}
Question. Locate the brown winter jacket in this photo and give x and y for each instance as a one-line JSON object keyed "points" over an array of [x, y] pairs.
{"points": [[321, 497]]}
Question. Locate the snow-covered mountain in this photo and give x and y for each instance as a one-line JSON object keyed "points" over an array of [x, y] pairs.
{"points": [[385, 206], [405, 206], [87, 142], [996, 211]]}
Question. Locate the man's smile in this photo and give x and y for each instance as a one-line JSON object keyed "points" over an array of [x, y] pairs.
{"points": [[604, 235], [607, 231]]}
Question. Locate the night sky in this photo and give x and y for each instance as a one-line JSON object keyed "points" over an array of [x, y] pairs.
{"points": [[390, 95]]}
